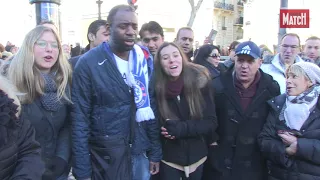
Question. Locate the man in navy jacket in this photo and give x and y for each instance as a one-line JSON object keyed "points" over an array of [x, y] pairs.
{"points": [[103, 93]]}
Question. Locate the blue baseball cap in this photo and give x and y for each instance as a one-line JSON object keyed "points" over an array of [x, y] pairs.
{"points": [[248, 48]]}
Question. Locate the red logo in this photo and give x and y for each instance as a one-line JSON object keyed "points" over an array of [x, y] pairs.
{"points": [[294, 18]]}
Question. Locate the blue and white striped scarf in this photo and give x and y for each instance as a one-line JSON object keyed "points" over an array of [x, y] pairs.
{"points": [[138, 79]]}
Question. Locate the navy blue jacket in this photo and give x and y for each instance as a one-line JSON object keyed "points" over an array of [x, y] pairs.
{"points": [[102, 108]]}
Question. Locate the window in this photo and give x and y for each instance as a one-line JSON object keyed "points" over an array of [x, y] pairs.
{"points": [[223, 21]]}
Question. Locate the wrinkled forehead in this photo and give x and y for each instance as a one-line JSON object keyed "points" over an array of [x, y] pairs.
{"points": [[186, 33], [290, 40]]}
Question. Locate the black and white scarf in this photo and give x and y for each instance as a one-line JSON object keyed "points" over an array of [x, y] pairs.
{"points": [[297, 108]]}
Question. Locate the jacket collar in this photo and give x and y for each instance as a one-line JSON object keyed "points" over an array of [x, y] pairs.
{"points": [[228, 82], [276, 63], [278, 102]]}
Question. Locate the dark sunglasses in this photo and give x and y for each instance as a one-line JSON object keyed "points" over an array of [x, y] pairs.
{"points": [[215, 55]]}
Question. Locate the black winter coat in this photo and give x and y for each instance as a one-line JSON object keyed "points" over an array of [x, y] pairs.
{"points": [[305, 165], [19, 151], [237, 155], [53, 133], [193, 145]]}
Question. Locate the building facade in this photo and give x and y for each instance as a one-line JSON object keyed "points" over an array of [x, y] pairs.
{"points": [[228, 21]]}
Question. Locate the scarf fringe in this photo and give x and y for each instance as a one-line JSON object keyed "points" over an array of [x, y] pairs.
{"points": [[144, 114]]}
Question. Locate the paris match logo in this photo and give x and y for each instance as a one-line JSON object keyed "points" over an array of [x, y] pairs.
{"points": [[294, 18]]}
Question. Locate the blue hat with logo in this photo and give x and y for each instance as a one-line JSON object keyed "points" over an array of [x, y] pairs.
{"points": [[248, 48]]}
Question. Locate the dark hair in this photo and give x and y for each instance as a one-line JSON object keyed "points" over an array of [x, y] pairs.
{"points": [[313, 38], [94, 27], [233, 45], [264, 49], [291, 34], [194, 77], [152, 27], [115, 9], [183, 28], [204, 52]]}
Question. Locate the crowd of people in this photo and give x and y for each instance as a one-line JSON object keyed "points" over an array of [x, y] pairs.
{"points": [[128, 109]]}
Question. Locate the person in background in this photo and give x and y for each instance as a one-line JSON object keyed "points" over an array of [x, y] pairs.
{"points": [[312, 50], [8, 47], [289, 49], [290, 139], [41, 72], [2, 48], [184, 39], [6, 55], [77, 50], [229, 63], [14, 50], [97, 34], [186, 109], [196, 47], [19, 151], [241, 108], [50, 24], [152, 37], [266, 54], [265, 51], [209, 56], [66, 50]]}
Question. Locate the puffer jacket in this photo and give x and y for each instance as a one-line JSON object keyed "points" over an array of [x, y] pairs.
{"points": [[19, 151], [305, 164], [102, 109]]}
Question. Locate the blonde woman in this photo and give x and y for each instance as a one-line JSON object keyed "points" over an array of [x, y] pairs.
{"points": [[41, 71], [290, 139], [18, 147]]}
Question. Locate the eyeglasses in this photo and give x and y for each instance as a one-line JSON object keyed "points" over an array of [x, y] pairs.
{"points": [[215, 55], [293, 47], [44, 44]]}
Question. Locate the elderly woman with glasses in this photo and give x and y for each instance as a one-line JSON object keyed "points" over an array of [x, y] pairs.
{"points": [[209, 56], [42, 73], [290, 139]]}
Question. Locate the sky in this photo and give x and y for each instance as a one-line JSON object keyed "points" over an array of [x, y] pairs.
{"points": [[264, 15], [18, 17]]}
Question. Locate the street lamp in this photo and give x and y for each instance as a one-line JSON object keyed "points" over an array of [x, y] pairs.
{"points": [[46, 10], [99, 2]]}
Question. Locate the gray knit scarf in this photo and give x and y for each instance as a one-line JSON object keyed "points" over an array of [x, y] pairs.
{"points": [[297, 109], [49, 99]]}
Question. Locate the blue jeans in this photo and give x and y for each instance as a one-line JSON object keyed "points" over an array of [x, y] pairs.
{"points": [[140, 167]]}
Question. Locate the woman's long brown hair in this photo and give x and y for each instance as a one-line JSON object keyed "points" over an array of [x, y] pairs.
{"points": [[194, 78]]}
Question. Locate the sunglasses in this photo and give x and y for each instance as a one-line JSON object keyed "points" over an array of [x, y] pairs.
{"points": [[215, 55]]}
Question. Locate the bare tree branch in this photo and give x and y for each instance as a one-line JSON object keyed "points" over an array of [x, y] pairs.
{"points": [[194, 10]]}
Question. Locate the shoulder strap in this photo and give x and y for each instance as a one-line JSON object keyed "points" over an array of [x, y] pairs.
{"points": [[133, 110]]}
